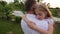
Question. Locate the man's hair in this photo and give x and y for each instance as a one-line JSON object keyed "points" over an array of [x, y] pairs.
{"points": [[29, 4]]}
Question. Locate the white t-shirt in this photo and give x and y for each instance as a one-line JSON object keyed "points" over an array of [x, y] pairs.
{"points": [[39, 23]]}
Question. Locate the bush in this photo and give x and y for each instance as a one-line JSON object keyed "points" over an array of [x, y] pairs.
{"points": [[55, 11]]}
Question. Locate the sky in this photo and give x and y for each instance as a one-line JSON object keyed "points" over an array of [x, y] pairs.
{"points": [[53, 3]]}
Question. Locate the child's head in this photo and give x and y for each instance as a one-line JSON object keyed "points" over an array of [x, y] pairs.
{"points": [[42, 11]]}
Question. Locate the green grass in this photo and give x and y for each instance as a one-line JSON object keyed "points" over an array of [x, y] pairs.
{"points": [[7, 26], [56, 32]]}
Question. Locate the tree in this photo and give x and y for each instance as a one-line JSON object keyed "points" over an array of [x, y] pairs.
{"points": [[3, 3], [2, 7], [39, 0], [16, 1]]}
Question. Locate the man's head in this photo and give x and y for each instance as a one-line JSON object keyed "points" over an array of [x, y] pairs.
{"points": [[29, 5]]}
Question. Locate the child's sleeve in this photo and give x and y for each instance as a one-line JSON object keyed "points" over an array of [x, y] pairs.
{"points": [[50, 21]]}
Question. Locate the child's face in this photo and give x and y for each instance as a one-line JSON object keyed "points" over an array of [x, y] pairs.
{"points": [[40, 14]]}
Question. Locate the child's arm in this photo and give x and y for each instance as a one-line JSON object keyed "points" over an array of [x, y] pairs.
{"points": [[50, 30]]}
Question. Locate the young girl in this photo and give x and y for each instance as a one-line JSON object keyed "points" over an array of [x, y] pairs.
{"points": [[42, 22]]}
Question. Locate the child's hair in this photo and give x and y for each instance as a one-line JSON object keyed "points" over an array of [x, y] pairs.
{"points": [[29, 4], [43, 7]]}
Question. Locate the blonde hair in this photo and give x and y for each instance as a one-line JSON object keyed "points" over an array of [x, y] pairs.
{"points": [[44, 7]]}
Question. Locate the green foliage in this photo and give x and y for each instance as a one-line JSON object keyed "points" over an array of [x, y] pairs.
{"points": [[2, 7], [3, 3], [39, 0], [16, 1], [18, 19], [55, 11], [6, 9], [22, 6]]}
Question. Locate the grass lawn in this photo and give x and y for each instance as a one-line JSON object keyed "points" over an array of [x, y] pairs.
{"points": [[15, 28], [7, 26]]}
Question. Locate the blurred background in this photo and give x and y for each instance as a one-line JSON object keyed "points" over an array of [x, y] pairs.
{"points": [[10, 24]]}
